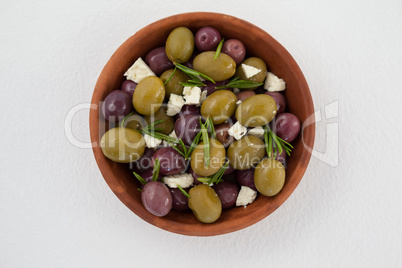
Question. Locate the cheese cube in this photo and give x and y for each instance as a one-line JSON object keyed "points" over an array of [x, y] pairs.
{"points": [[203, 96], [238, 102], [249, 71], [174, 105], [138, 71], [246, 196], [192, 95], [183, 180], [237, 131], [151, 142], [173, 135], [257, 131], [274, 83], [236, 90]]}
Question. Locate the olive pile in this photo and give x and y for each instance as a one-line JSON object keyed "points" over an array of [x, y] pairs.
{"points": [[211, 155]]}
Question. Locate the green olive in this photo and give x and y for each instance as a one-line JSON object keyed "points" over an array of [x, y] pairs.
{"points": [[134, 121], [269, 177], [220, 69], [205, 203], [148, 95], [123, 145], [219, 106], [217, 155], [173, 86], [256, 111], [246, 152], [166, 125], [180, 45], [257, 63]]}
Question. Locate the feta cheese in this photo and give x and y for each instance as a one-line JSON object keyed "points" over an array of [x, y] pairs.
{"points": [[257, 131], [183, 180], [237, 131], [151, 142], [274, 83], [203, 96], [246, 196], [138, 71], [174, 105], [249, 71], [192, 95], [173, 135], [238, 102], [236, 90]]}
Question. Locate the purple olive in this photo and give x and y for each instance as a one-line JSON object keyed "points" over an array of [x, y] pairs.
{"points": [[145, 162], [156, 198], [179, 200], [117, 105], [190, 109], [210, 87], [147, 175], [129, 87], [227, 193], [171, 161], [246, 178], [245, 94], [195, 176], [222, 135], [158, 61], [279, 99], [286, 126], [207, 38], [235, 49], [229, 170], [187, 127]]}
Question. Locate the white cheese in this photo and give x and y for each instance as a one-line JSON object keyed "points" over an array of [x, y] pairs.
{"points": [[274, 83], [174, 105], [192, 95], [238, 102], [138, 71], [203, 96], [246, 196], [183, 180], [257, 131], [249, 71], [151, 142], [236, 90], [237, 131], [173, 135]]}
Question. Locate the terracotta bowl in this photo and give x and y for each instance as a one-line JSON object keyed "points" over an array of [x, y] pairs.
{"points": [[257, 43]]}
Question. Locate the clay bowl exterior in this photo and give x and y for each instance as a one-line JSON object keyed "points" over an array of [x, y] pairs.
{"points": [[257, 43]]}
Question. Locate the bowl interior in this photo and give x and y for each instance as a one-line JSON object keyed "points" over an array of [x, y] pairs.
{"points": [[257, 43]]}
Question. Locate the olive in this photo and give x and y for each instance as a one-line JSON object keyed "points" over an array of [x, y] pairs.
{"points": [[269, 177], [166, 126], [122, 145], [173, 86], [256, 111], [222, 135], [246, 152], [148, 95], [180, 45], [220, 69], [219, 106], [257, 63], [205, 203], [134, 121], [217, 155]]}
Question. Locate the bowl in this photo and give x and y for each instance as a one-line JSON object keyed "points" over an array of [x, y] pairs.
{"points": [[258, 43]]}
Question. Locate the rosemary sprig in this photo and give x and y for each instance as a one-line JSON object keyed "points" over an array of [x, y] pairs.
{"points": [[236, 83], [122, 122], [210, 127], [205, 139], [193, 144], [155, 171], [183, 191], [219, 48], [151, 126], [192, 73], [275, 145], [217, 177], [139, 178], [170, 77]]}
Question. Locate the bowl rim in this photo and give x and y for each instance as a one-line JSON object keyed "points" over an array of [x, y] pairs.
{"points": [[208, 230]]}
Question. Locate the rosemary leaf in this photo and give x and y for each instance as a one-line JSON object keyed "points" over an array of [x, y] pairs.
{"points": [[205, 139], [122, 122], [170, 77], [192, 72], [240, 84], [139, 178], [182, 190], [219, 48], [193, 145], [155, 171]]}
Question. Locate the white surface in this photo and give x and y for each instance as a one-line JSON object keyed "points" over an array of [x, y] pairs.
{"points": [[57, 211]]}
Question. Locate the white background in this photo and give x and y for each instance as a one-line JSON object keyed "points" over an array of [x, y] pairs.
{"points": [[57, 211]]}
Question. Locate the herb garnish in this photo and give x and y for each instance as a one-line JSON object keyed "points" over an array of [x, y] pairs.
{"points": [[219, 48], [217, 177], [205, 140], [183, 191], [195, 76], [170, 77], [155, 171], [236, 83], [122, 122], [139, 178], [275, 145]]}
